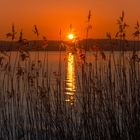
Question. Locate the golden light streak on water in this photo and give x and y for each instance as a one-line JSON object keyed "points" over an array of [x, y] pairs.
{"points": [[70, 80]]}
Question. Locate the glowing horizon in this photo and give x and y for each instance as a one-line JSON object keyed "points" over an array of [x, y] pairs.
{"points": [[50, 16]]}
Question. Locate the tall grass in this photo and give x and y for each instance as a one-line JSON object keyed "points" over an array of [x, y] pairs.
{"points": [[107, 102], [106, 107]]}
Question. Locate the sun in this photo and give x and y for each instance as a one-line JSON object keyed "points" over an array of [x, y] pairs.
{"points": [[70, 36]]}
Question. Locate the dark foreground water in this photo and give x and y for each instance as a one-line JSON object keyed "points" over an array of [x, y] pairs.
{"points": [[59, 96]]}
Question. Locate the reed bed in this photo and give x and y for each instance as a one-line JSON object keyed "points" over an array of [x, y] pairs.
{"points": [[106, 106]]}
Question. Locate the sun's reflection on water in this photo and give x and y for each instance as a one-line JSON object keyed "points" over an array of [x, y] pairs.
{"points": [[70, 80]]}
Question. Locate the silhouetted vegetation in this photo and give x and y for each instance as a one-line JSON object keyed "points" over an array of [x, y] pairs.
{"points": [[107, 97]]}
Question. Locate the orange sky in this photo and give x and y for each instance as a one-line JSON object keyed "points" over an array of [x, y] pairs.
{"points": [[51, 15]]}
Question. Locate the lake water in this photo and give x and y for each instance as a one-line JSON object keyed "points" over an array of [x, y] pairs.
{"points": [[44, 95], [67, 65]]}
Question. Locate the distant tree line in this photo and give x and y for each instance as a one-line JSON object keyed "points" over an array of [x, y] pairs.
{"points": [[105, 44]]}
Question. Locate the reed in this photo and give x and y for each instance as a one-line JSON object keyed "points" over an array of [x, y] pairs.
{"points": [[106, 103]]}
